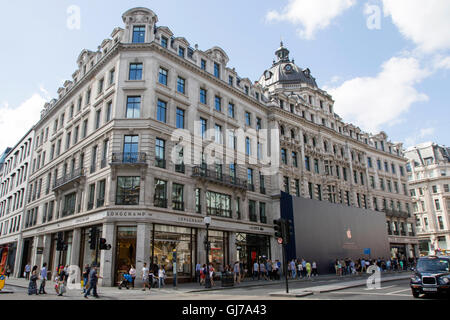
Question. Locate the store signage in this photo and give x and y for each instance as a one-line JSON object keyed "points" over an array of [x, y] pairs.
{"points": [[128, 214], [190, 220], [39, 250], [257, 228]]}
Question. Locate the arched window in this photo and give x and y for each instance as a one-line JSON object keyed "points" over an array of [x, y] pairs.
{"points": [[292, 134]]}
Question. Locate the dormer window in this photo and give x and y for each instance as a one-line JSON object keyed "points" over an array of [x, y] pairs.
{"points": [[246, 90], [138, 34], [216, 70], [181, 52], [230, 80], [164, 42], [203, 64]]}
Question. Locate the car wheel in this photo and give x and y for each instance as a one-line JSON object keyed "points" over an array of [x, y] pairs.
{"points": [[415, 294]]}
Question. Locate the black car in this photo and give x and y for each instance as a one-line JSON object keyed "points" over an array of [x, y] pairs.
{"points": [[431, 275]]}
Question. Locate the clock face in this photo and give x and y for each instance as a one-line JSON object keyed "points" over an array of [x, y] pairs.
{"points": [[288, 68]]}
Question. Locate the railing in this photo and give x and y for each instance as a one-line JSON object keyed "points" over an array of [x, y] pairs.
{"points": [[403, 233], [178, 205], [103, 163], [93, 168], [263, 219], [262, 190], [250, 187], [212, 175], [160, 163], [75, 174], [395, 213], [129, 158], [180, 168], [253, 217], [160, 203], [90, 206], [100, 202], [218, 212]]}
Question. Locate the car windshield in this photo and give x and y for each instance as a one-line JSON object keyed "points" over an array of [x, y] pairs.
{"points": [[433, 265]]}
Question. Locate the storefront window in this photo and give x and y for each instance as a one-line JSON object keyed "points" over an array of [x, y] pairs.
{"points": [[125, 250], [218, 254], [169, 238], [87, 256], [68, 236], [251, 248]]}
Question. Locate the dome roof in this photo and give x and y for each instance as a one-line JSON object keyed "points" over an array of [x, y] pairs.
{"points": [[286, 71]]}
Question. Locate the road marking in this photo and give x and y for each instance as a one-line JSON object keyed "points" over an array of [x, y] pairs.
{"points": [[374, 294], [382, 288], [395, 292]]}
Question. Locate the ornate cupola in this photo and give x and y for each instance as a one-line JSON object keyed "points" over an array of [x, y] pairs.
{"points": [[139, 25], [282, 53]]}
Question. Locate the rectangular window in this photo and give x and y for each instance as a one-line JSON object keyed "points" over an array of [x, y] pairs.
{"points": [[231, 110], [130, 149], [180, 118], [216, 70], [283, 156], [203, 96], [198, 206], [160, 151], [248, 149], [203, 64], [262, 212], [258, 124], [100, 85], [250, 178], [218, 134], [307, 163], [181, 52], [316, 166], [101, 193], [164, 42], [203, 127], [108, 112], [138, 34], [160, 199], [218, 103], [111, 76], [98, 118], [248, 121], [218, 204], [294, 159], [128, 189], [162, 78], [135, 71], [91, 197], [133, 107], [177, 197], [297, 187], [161, 111], [286, 184], [230, 80], [181, 85]]}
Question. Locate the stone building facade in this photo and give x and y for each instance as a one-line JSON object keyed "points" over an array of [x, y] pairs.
{"points": [[429, 180], [151, 135]]}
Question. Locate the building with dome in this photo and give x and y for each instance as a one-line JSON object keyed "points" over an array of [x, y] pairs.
{"points": [[152, 134]]}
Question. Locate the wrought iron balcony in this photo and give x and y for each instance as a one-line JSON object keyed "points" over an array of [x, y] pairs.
{"points": [[160, 202], [160, 163], [129, 158], [178, 205], [180, 168], [217, 177], [262, 190], [67, 181], [218, 212], [395, 213]]}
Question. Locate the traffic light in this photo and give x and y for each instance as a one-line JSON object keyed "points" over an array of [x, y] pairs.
{"points": [[60, 242], [289, 231], [93, 238], [103, 245], [278, 226]]}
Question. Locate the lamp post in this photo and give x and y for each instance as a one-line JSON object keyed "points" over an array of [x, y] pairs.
{"points": [[207, 221]]}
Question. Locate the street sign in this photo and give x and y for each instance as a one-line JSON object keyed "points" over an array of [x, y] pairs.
{"points": [[2, 281], [367, 251], [280, 240]]}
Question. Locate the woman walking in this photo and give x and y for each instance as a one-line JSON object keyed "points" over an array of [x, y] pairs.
{"points": [[133, 275], [32, 286], [308, 270]]}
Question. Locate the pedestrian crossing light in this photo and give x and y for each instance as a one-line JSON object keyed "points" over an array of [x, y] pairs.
{"points": [[278, 226]]}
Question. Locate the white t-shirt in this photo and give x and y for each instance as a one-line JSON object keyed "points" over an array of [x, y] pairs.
{"points": [[132, 272], [255, 267], [145, 272], [161, 273]]}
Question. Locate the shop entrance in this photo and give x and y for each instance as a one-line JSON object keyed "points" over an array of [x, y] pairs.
{"points": [[26, 255], [125, 251], [398, 251], [251, 248]]}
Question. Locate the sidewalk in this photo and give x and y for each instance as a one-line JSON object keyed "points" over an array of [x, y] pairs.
{"points": [[385, 277], [247, 283]]}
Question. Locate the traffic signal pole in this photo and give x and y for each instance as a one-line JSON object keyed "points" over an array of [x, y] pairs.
{"points": [[285, 267]]}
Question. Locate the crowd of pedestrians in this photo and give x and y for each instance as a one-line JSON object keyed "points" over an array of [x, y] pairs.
{"points": [[349, 266]]}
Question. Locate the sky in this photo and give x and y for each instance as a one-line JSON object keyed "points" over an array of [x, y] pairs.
{"points": [[385, 62]]}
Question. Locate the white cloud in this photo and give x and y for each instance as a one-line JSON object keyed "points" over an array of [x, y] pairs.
{"points": [[441, 62], [15, 122], [426, 23], [311, 15], [371, 102], [418, 138]]}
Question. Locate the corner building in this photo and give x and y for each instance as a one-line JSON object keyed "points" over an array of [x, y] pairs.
{"points": [[116, 152]]}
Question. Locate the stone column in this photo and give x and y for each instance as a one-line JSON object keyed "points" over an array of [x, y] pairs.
{"points": [[17, 264], [38, 258], [76, 245], [47, 244], [142, 250], [201, 251], [189, 197], [232, 247], [107, 256]]}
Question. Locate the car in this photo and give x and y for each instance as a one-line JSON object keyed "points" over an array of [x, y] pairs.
{"points": [[431, 276]]}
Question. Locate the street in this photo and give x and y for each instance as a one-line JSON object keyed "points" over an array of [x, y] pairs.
{"points": [[390, 290]]}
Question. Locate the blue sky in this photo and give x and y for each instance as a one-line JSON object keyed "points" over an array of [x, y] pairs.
{"points": [[393, 78]]}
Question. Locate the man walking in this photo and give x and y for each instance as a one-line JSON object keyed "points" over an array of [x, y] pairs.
{"points": [[255, 270], [293, 269], [198, 267], [43, 279], [27, 271], [237, 272], [145, 277], [93, 279]]}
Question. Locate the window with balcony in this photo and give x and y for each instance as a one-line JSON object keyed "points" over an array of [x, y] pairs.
{"points": [[160, 199], [218, 204], [160, 151], [91, 196], [131, 149], [101, 193], [177, 197]]}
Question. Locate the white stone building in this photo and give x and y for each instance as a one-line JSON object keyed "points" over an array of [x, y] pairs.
{"points": [[151, 135], [14, 173], [429, 181]]}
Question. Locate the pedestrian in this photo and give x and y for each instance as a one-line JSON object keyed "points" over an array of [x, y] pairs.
{"points": [[203, 274], [27, 271], [300, 270], [198, 267], [8, 271], [132, 273], [304, 267], [162, 276], [43, 279], [308, 270], [211, 274], [60, 282], [93, 279], [401, 265], [145, 277], [270, 269], [32, 286], [262, 271], [237, 273], [388, 265], [85, 275], [314, 269], [255, 270], [293, 269]]}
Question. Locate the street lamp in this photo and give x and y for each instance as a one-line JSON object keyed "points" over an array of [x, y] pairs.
{"points": [[207, 221]]}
